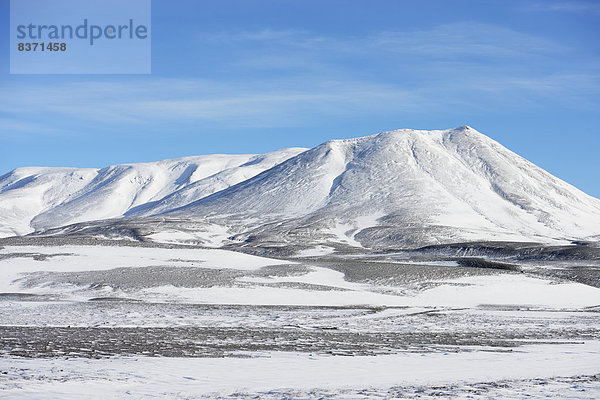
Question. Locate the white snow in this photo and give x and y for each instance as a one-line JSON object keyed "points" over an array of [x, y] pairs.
{"points": [[502, 289], [26, 192], [440, 263], [315, 251], [274, 373], [42, 198], [281, 374], [96, 258], [509, 289], [211, 235], [456, 184], [261, 295], [468, 292]]}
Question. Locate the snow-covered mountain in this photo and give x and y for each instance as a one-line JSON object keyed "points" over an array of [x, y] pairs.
{"points": [[40, 198], [402, 188], [405, 188]]}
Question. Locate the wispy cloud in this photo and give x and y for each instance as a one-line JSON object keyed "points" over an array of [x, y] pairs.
{"points": [[271, 35], [145, 103], [440, 67], [448, 40], [164, 100], [462, 39], [460, 51], [14, 128], [565, 6]]}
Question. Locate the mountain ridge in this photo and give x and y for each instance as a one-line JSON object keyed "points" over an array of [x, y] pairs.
{"points": [[396, 188], [47, 197]]}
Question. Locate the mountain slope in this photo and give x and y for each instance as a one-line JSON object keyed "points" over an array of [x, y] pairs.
{"points": [[397, 189], [406, 187], [43, 198], [26, 192], [214, 183]]}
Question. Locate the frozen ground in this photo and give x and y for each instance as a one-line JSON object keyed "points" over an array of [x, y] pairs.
{"points": [[147, 321], [482, 374]]}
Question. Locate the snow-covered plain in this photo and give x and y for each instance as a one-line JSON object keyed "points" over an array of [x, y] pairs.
{"points": [[61, 271], [181, 322], [293, 375]]}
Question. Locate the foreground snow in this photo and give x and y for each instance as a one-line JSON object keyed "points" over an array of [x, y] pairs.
{"points": [[133, 321], [291, 375]]}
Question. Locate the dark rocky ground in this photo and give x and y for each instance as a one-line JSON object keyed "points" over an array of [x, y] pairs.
{"points": [[99, 328]]}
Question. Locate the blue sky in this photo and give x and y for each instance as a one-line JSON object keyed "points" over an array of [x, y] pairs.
{"points": [[251, 76]]}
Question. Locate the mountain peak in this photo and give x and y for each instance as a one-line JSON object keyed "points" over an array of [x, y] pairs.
{"points": [[455, 184], [398, 134], [464, 128]]}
